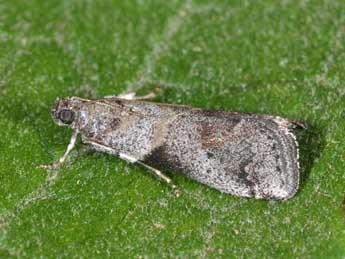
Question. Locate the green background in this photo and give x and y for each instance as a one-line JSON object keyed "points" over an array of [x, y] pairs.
{"points": [[276, 57]]}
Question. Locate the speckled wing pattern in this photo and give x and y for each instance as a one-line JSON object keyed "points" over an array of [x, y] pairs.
{"points": [[247, 155]]}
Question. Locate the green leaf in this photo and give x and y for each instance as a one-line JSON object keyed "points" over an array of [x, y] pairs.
{"points": [[276, 57]]}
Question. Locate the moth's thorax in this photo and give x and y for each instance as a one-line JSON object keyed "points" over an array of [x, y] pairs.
{"points": [[96, 120]]}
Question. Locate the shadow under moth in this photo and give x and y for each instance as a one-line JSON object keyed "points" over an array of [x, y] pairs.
{"points": [[243, 154]]}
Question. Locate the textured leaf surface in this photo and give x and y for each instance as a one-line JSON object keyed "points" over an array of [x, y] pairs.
{"points": [[284, 58]]}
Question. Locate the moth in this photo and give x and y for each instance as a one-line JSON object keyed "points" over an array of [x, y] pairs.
{"points": [[244, 154]]}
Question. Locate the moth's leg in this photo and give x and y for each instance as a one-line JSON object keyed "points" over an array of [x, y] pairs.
{"points": [[62, 159], [127, 96], [162, 177], [132, 159], [158, 173], [131, 96], [150, 95]]}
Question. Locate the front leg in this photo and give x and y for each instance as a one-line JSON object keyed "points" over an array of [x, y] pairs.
{"points": [[62, 159]]}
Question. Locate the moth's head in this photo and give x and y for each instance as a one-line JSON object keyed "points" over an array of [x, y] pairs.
{"points": [[65, 111]]}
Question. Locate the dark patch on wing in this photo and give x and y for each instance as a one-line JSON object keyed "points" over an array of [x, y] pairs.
{"points": [[243, 174], [115, 123], [215, 134], [243, 179], [161, 158], [209, 155]]}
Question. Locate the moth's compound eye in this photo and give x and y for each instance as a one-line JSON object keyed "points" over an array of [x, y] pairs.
{"points": [[66, 116]]}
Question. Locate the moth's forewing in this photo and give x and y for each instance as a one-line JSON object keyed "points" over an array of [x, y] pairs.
{"points": [[242, 154]]}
